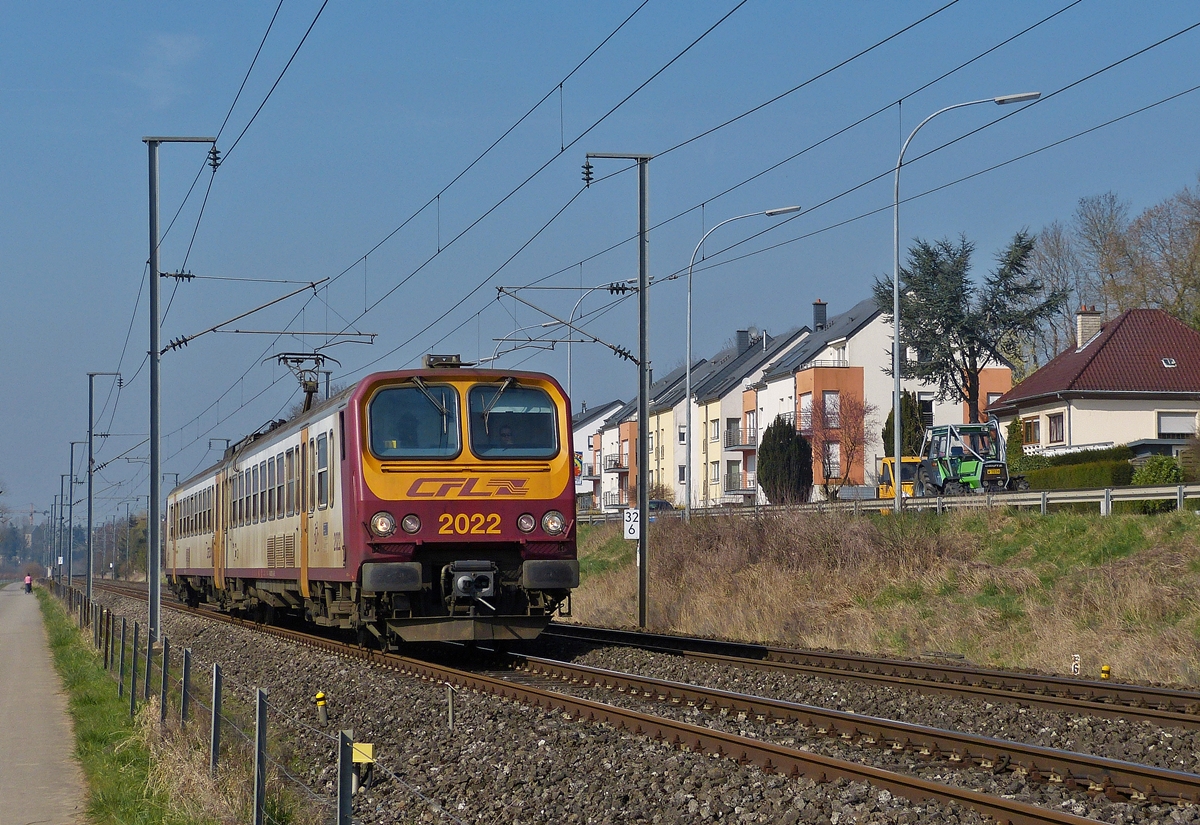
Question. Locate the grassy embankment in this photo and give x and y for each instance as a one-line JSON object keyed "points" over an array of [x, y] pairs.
{"points": [[1001, 588], [110, 746]]}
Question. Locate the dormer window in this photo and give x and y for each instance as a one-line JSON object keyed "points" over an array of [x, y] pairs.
{"points": [[1169, 363]]}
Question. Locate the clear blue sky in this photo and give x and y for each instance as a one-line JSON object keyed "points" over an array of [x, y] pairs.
{"points": [[386, 103]]}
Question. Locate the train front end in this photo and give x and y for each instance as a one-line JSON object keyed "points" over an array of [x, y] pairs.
{"points": [[465, 518]]}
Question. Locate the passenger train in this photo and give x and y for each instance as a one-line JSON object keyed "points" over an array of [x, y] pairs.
{"points": [[435, 504]]}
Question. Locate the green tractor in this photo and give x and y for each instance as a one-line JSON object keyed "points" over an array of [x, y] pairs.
{"points": [[958, 459]]}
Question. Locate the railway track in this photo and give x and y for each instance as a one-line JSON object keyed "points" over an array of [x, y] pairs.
{"points": [[533, 683], [1163, 706]]}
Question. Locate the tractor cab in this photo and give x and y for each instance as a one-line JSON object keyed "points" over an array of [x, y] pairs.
{"points": [[957, 459]]}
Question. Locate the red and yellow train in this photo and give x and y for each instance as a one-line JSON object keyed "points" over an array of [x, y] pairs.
{"points": [[418, 505]]}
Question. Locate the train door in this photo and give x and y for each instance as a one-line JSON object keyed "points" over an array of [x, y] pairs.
{"points": [[303, 501], [218, 541]]}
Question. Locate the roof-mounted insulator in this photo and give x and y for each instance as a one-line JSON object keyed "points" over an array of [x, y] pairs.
{"points": [[587, 173], [214, 157]]}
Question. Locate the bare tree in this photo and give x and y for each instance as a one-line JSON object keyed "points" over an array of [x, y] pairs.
{"points": [[1101, 222], [839, 440], [1056, 264]]}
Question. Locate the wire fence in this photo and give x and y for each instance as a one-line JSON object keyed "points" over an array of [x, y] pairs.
{"points": [[220, 745]]}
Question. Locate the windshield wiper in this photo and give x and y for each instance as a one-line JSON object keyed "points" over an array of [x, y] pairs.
{"points": [[508, 382], [438, 405]]}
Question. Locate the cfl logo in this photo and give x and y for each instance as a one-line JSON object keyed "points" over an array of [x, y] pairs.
{"points": [[441, 487]]}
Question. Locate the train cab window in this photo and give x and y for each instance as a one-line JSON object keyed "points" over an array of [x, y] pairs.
{"points": [[270, 514], [311, 483], [511, 421], [279, 485], [322, 471], [414, 421]]}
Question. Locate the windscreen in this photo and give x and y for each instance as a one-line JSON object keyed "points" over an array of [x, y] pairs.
{"points": [[414, 422], [509, 421]]}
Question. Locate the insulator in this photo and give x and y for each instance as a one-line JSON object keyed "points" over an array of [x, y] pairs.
{"points": [[618, 289], [214, 157], [587, 173]]}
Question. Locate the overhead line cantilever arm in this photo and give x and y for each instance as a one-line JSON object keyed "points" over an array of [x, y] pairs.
{"points": [[617, 350], [179, 342]]}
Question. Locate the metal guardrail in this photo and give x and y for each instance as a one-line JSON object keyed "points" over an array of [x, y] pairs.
{"points": [[616, 462], [1041, 499]]}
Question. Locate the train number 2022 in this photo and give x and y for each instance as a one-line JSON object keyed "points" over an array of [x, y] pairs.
{"points": [[462, 524]]}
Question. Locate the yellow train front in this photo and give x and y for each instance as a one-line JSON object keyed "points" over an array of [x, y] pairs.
{"points": [[418, 505]]}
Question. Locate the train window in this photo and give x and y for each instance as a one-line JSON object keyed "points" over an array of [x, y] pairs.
{"points": [[312, 475], [262, 491], [279, 485], [245, 497], [322, 471], [254, 494], [332, 475], [511, 421], [301, 475], [414, 421], [270, 515], [290, 465], [234, 502]]}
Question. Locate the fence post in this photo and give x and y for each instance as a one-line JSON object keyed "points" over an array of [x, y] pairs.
{"points": [[149, 663], [1106, 505], [1045, 502], [1179, 498], [186, 684], [260, 756], [163, 681], [214, 741], [133, 673], [121, 671], [345, 777], [940, 505]]}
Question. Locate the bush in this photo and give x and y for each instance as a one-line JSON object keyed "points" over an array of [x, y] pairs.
{"points": [[785, 464], [1121, 453], [1158, 470], [1081, 476]]}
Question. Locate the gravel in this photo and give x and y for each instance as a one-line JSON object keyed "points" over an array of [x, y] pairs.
{"points": [[505, 762]]}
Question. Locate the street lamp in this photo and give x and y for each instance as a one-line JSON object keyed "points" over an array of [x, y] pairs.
{"points": [[897, 430], [687, 472]]}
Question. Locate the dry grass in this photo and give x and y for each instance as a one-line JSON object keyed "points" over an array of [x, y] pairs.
{"points": [[1017, 590], [180, 772]]}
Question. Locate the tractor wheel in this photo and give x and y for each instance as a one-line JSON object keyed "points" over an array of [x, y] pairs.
{"points": [[922, 484], [1020, 484], [954, 488]]}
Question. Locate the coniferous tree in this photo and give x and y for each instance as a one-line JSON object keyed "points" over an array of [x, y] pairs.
{"points": [[910, 418], [785, 464]]}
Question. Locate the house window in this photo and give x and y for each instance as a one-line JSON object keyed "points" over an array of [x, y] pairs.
{"points": [[832, 408], [1055, 424], [1177, 425], [714, 471], [683, 435], [925, 400], [1032, 430], [650, 442], [992, 398], [682, 473], [590, 437], [806, 413], [714, 429], [833, 460]]}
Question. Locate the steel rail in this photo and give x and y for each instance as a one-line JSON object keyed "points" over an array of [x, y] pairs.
{"points": [[767, 756], [1163, 706], [1115, 778]]}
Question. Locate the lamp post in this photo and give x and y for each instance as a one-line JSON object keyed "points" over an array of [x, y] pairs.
{"points": [[897, 429], [91, 462], [153, 537], [687, 398]]}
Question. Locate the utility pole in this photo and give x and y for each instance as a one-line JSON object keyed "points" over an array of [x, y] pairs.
{"points": [[71, 515], [153, 537], [91, 464], [643, 448]]}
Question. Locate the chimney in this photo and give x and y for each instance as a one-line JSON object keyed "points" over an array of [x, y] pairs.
{"points": [[743, 340], [819, 315], [1087, 324]]}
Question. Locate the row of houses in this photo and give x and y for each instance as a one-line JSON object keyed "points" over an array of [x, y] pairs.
{"points": [[1133, 380]]}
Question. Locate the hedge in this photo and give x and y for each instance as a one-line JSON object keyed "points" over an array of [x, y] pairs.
{"points": [[1081, 476]]}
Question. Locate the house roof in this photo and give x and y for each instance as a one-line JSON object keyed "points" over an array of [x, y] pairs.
{"points": [[582, 419], [743, 365], [1129, 356], [845, 325]]}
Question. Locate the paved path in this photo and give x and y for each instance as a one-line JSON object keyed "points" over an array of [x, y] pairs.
{"points": [[40, 782]]}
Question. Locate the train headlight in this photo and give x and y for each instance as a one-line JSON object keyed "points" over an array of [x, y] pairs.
{"points": [[553, 522], [526, 523], [383, 524], [411, 523]]}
